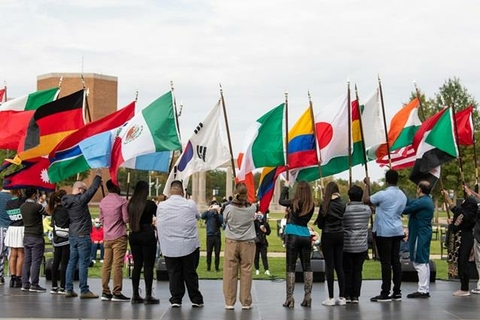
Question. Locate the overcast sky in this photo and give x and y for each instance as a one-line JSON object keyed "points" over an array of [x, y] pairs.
{"points": [[257, 49]]}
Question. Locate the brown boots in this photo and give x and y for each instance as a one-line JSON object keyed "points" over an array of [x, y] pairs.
{"points": [[290, 301], [307, 283]]}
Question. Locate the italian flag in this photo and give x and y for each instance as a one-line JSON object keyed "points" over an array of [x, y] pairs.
{"points": [[264, 143], [154, 129]]}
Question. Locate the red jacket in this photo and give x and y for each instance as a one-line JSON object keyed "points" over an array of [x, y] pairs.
{"points": [[97, 234]]}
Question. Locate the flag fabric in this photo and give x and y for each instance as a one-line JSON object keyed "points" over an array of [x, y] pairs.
{"points": [[34, 174], [14, 127], [32, 101], [403, 127], [435, 145], [465, 126], [205, 150], [373, 129], [50, 124], [158, 161], [16, 114], [302, 150], [266, 186], [264, 145], [248, 179], [88, 147], [3, 95], [154, 129], [332, 137]]}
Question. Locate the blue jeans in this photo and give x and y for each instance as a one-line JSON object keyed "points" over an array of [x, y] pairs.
{"points": [[80, 248]]}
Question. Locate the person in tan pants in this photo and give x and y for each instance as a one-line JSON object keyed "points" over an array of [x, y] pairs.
{"points": [[239, 251]]}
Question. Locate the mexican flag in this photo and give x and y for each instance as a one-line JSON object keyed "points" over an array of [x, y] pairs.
{"points": [[435, 145], [154, 129], [264, 143]]}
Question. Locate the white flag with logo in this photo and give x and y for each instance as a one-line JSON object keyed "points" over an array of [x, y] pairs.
{"points": [[206, 150]]}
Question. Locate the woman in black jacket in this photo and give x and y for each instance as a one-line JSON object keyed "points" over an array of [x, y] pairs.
{"points": [[330, 220], [462, 226]]}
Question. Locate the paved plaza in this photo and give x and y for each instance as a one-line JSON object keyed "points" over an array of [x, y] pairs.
{"points": [[268, 297]]}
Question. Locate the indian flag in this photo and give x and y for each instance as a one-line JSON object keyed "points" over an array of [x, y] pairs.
{"points": [[154, 129], [264, 143]]}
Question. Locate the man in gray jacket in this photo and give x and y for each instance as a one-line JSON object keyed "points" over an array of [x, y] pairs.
{"points": [[79, 234], [355, 243]]}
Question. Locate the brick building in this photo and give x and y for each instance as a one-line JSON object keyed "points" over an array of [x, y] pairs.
{"points": [[102, 98]]}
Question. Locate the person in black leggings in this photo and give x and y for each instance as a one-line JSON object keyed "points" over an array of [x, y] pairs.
{"points": [[462, 225], [61, 245], [330, 220], [297, 239], [143, 242]]}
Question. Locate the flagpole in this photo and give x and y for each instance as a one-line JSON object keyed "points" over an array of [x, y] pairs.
{"points": [[384, 122], [177, 115], [87, 107], [286, 135], [361, 132], [365, 159], [349, 108], [312, 116], [474, 154], [418, 94], [128, 183], [232, 160]]}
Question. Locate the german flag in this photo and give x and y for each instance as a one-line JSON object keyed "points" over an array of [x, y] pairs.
{"points": [[50, 124]]}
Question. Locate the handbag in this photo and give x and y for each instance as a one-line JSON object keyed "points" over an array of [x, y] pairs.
{"points": [[61, 232]]}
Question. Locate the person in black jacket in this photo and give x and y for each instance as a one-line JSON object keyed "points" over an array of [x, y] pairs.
{"points": [[262, 229], [79, 231], [330, 220], [462, 225], [61, 245]]}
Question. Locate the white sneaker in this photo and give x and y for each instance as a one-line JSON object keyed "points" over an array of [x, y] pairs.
{"points": [[340, 301], [267, 272], [329, 302], [460, 293], [257, 272], [476, 291]]}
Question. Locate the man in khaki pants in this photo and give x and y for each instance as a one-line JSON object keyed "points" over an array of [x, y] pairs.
{"points": [[114, 217]]}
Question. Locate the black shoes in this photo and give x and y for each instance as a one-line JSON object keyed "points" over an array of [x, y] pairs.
{"points": [[120, 298], [418, 295], [136, 299], [381, 298], [151, 300], [396, 297]]}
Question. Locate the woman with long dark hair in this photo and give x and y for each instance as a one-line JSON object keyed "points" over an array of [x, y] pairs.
{"points": [[297, 239], [143, 242], [330, 220], [61, 245]]}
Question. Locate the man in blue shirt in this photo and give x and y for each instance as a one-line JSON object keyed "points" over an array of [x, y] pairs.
{"points": [[388, 231]]}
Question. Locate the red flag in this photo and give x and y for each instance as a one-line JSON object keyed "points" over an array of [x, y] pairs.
{"points": [[2, 95], [248, 181], [13, 126], [465, 126], [34, 174]]}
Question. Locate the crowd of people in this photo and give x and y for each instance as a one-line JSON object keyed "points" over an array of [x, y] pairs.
{"points": [[171, 227]]}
